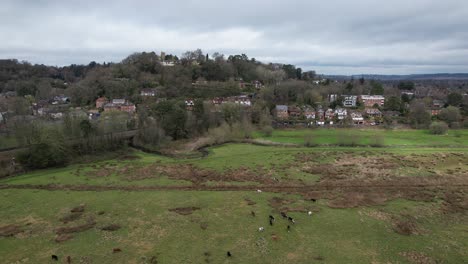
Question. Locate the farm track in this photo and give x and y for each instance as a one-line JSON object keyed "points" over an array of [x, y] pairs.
{"points": [[372, 187]]}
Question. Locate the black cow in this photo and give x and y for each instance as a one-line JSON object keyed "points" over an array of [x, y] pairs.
{"points": [[291, 220], [252, 213], [288, 228], [313, 200], [271, 222], [54, 257], [271, 218], [229, 254]]}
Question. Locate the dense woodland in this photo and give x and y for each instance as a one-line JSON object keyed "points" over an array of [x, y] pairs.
{"points": [[199, 77]]}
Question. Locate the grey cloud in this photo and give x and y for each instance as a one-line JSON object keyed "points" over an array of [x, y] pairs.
{"points": [[334, 36]]}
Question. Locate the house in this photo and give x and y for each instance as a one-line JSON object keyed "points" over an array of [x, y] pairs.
{"points": [[341, 113], [436, 107], [371, 100], [101, 101], [189, 104], [257, 84], [281, 112], [349, 100], [320, 114], [128, 107], [119, 101], [61, 99], [329, 114], [148, 92], [332, 97], [309, 113], [294, 111], [357, 118], [243, 100], [373, 112], [120, 105]]}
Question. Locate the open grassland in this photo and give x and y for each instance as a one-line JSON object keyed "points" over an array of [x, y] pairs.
{"points": [[369, 205], [399, 137]]}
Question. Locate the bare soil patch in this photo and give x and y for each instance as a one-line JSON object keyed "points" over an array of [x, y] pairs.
{"points": [[184, 210], [111, 227], [10, 230], [406, 225], [74, 229]]}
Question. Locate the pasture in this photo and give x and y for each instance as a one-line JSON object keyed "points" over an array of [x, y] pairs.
{"points": [[369, 205]]}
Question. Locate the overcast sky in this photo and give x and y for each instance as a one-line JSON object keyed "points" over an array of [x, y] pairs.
{"points": [[329, 36]]}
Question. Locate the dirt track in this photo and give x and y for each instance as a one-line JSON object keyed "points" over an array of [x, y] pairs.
{"points": [[269, 188]]}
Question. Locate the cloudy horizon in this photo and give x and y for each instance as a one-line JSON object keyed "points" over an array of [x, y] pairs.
{"points": [[332, 37]]}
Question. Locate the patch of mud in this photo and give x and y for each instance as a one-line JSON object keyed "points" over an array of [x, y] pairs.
{"points": [[406, 225], [184, 210], [111, 227], [10, 230], [74, 229]]}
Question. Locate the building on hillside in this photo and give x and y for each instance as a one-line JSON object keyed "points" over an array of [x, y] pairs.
{"points": [[101, 101], [357, 118], [436, 107], [257, 84], [119, 101], [329, 114], [341, 113], [294, 111], [217, 100], [371, 100], [332, 97], [120, 105], [349, 100], [243, 100], [373, 112], [281, 112], [189, 104], [309, 113], [320, 114], [148, 92]]}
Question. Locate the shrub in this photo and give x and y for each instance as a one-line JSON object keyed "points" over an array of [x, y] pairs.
{"points": [[455, 125], [438, 128]]}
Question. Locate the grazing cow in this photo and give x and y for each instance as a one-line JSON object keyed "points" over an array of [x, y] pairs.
{"points": [[116, 250], [309, 213], [283, 214], [252, 213], [229, 254], [271, 218], [313, 200], [291, 220], [288, 228], [261, 229], [68, 260], [271, 222], [259, 191], [54, 257]]}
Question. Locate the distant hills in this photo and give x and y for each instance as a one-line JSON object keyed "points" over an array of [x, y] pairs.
{"points": [[434, 76]]}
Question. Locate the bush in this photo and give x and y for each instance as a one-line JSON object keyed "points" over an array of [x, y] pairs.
{"points": [[438, 128], [455, 125], [465, 123], [267, 131]]}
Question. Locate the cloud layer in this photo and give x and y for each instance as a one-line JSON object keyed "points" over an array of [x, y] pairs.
{"points": [[332, 37]]}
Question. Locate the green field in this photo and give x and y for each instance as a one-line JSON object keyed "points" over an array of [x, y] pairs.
{"points": [[410, 137], [348, 225]]}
